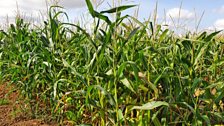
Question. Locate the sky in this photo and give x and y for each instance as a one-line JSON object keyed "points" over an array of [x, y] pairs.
{"points": [[184, 14]]}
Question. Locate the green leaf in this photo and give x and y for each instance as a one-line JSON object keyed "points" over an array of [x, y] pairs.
{"points": [[220, 97], [127, 84], [137, 21], [196, 82], [102, 17], [133, 33], [85, 125], [190, 107], [118, 9], [202, 36], [206, 119], [152, 86], [155, 119], [151, 105], [143, 88], [109, 72], [160, 76], [120, 115], [163, 35], [201, 51], [74, 71], [106, 93], [121, 69], [210, 37], [152, 28], [187, 44], [95, 13], [84, 32], [216, 64], [90, 7], [3, 102]]}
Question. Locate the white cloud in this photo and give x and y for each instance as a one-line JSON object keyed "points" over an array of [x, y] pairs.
{"points": [[180, 28], [72, 3], [219, 24], [32, 8], [219, 10], [177, 13], [41, 4]]}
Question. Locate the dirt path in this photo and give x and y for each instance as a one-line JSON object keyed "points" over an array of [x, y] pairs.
{"points": [[8, 115]]}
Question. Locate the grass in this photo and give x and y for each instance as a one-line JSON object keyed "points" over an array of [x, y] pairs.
{"points": [[4, 101], [120, 74]]}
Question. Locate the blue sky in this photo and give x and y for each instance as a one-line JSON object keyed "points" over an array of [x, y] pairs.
{"points": [[213, 10], [190, 11]]}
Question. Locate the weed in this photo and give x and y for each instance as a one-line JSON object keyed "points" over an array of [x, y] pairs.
{"points": [[4, 101]]}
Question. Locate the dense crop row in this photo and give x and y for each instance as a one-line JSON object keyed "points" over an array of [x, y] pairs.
{"points": [[120, 74]]}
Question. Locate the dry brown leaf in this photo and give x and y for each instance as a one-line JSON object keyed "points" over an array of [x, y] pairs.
{"points": [[198, 92], [213, 91]]}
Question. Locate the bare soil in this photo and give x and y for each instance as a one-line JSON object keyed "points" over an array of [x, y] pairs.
{"points": [[9, 106]]}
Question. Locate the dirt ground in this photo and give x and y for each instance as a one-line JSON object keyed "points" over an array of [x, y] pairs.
{"points": [[8, 114]]}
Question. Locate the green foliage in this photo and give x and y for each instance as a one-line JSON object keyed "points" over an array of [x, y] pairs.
{"points": [[4, 101], [119, 75]]}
